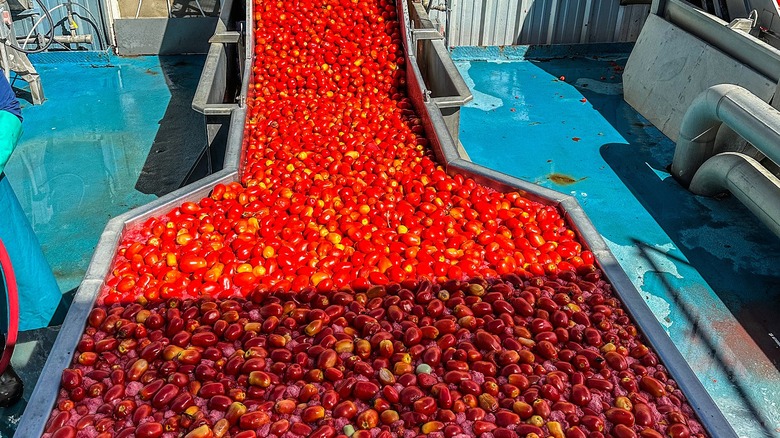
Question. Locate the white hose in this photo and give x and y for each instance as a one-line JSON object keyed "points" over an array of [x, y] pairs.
{"points": [[38, 22]]}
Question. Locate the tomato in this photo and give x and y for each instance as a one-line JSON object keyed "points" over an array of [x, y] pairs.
{"points": [[244, 279], [190, 263]]}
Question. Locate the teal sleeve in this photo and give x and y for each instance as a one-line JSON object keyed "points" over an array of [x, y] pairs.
{"points": [[39, 294], [10, 130]]}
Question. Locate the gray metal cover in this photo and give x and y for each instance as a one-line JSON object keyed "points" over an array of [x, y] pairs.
{"points": [[508, 22]]}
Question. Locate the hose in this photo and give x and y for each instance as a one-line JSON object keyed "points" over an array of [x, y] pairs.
{"points": [[13, 308], [103, 43], [38, 22], [102, 40], [50, 35]]}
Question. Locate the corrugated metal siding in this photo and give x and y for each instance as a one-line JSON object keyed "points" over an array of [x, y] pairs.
{"points": [[507, 22], [59, 16]]}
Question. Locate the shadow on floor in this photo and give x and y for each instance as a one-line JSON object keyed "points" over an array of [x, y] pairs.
{"points": [[748, 285], [752, 297], [694, 315], [181, 139]]}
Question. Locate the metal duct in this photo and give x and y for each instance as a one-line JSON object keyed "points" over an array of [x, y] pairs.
{"points": [[747, 180], [753, 119]]}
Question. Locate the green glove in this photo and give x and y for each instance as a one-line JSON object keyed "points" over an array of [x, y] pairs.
{"points": [[10, 130]]}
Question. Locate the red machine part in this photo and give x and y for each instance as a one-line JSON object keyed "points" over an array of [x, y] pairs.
{"points": [[13, 308]]}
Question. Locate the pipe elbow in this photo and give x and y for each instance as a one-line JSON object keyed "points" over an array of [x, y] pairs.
{"points": [[703, 113], [749, 116], [747, 180], [706, 109], [712, 177]]}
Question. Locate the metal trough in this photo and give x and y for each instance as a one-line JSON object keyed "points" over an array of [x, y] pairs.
{"points": [[220, 91], [46, 390], [45, 394], [446, 86]]}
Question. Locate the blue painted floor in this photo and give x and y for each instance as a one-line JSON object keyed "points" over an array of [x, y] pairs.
{"points": [[707, 268], [113, 134], [83, 157]]}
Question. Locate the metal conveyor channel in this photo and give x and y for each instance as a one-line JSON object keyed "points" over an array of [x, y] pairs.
{"points": [[445, 149]]}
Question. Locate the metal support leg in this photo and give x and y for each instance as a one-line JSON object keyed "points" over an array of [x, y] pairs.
{"points": [[19, 63], [200, 8], [14, 59]]}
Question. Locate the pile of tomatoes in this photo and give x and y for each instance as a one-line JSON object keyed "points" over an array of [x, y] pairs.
{"points": [[500, 358], [338, 186], [349, 286]]}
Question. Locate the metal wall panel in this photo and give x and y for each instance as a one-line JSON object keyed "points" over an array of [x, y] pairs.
{"points": [[508, 22], [59, 16]]}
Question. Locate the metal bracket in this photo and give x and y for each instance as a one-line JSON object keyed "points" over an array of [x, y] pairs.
{"points": [[227, 37], [14, 59], [219, 109], [426, 34]]}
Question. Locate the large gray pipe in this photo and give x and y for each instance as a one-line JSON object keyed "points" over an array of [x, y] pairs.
{"points": [[750, 117], [750, 51], [747, 180]]}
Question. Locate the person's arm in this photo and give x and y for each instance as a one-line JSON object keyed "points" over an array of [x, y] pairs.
{"points": [[10, 121]]}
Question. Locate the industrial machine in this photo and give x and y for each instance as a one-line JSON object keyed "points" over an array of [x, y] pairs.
{"points": [[27, 38], [726, 105], [12, 56], [722, 42]]}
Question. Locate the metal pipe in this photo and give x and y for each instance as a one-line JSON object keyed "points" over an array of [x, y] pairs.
{"points": [[72, 39], [749, 50], [747, 180], [750, 117]]}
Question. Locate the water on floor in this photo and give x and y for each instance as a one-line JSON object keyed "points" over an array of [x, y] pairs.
{"points": [[113, 134], [707, 268]]}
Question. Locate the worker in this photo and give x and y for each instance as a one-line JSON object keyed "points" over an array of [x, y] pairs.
{"points": [[39, 294]]}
